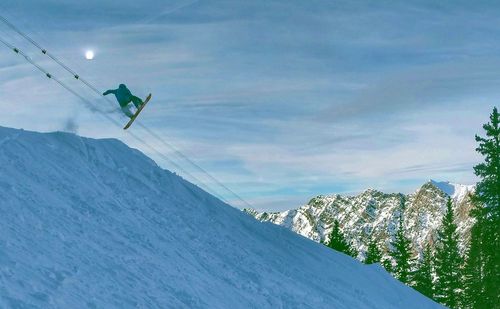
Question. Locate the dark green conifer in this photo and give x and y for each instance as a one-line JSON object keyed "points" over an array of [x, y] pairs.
{"points": [[373, 254], [474, 270], [423, 275], [448, 262], [339, 242], [402, 255], [482, 277]]}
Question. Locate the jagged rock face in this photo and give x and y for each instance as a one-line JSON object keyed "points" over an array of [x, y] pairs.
{"points": [[375, 214]]}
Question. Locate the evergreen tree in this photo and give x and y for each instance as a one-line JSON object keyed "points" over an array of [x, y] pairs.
{"points": [[402, 252], [423, 274], [473, 270], [387, 264], [488, 189], [483, 262], [449, 285], [338, 241], [373, 254]]}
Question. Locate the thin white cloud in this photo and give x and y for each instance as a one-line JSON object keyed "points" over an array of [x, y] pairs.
{"points": [[385, 96]]}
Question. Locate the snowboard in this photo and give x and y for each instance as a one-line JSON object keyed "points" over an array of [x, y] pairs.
{"points": [[137, 112]]}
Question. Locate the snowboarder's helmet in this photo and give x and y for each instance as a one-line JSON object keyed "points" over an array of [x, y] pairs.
{"points": [[122, 86]]}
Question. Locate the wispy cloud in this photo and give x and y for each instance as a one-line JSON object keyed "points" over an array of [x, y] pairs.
{"points": [[279, 100]]}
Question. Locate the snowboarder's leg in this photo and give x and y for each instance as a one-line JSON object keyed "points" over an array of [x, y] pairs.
{"points": [[137, 101], [126, 111]]}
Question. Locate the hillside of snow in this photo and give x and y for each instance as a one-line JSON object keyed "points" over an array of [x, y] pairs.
{"points": [[374, 215], [90, 223]]}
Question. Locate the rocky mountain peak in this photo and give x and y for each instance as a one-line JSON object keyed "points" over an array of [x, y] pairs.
{"points": [[374, 214]]}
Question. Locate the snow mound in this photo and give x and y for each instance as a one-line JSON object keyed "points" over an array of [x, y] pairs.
{"points": [[90, 223], [455, 191]]}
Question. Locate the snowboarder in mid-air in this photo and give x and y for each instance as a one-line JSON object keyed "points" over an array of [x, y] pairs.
{"points": [[124, 97]]}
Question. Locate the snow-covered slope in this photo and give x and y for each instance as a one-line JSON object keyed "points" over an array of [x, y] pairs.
{"points": [[94, 224], [375, 214]]}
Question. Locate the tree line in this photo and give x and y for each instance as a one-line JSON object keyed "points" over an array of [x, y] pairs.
{"points": [[469, 280]]}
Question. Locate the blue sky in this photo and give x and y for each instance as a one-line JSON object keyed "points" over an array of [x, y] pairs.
{"points": [[279, 100]]}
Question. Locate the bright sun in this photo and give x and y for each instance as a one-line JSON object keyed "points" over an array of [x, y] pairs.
{"points": [[89, 55]]}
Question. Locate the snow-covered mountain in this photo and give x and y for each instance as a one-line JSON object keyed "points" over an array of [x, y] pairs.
{"points": [[90, 223], [375, 214]]}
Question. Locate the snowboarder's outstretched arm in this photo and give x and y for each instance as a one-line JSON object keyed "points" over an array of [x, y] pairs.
{"points": [[113, 91]]}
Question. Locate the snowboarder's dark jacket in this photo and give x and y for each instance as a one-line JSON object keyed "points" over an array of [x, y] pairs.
{"points": [[122, 94]]}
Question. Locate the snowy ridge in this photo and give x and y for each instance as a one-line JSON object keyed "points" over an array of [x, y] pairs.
{"points": [[457, 192], [90, 223], [374, 214]]}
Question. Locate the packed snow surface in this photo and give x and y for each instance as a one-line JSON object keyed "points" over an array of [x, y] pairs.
{"points": [[90, 223]]}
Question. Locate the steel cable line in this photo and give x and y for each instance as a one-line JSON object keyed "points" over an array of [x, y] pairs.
{"points": [[93, 88], [45, 52], [201, 169], [92, 107]]}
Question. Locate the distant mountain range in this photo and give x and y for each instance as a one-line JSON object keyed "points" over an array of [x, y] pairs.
{"points": [[375, 214]]}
